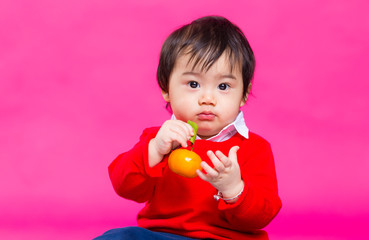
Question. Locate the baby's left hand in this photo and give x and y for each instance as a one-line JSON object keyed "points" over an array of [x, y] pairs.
{"points": [[226, 174]]}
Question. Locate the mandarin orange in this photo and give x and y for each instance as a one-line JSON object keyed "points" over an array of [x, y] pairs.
{"points": [[184, 162]]}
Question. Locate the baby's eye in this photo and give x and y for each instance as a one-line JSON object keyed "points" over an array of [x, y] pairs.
{"points": [[193, 84], [223, 86]]}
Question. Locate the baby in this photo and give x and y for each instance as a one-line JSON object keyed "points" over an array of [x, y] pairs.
{"points": [[205, 72]]}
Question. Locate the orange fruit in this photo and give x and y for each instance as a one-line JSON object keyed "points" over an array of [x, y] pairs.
{"points": [[184, 162]]}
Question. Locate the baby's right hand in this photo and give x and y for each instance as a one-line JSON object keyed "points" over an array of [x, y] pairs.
{"points": [[171, 134]]}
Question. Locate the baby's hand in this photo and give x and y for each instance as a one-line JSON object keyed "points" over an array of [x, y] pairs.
{"points": [[172, 134], [226, 174]]}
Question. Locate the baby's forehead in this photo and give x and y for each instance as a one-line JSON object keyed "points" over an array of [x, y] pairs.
{"points": [[197, 63]]}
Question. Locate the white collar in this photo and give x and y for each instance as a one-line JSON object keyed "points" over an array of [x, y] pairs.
{"points": [[238, 125]]}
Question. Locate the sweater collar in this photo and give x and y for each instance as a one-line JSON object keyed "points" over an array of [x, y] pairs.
{"points": [[238, 125]]}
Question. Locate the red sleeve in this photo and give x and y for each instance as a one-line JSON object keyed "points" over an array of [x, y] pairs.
{"points": [[130, 174], [259, 203]]}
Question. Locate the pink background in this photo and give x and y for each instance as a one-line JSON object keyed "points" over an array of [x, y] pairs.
{"points": [[77, 87]]}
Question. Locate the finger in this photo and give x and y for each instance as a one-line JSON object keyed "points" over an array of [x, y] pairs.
{"points": [[224, 159], [190, 128], [209, 170], [218, 165], [183, 133], [233, 153], [186, 128], [181, 127], [178, 137], [202, 175]]}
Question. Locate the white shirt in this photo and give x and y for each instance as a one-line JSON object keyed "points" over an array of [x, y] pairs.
{"points": [[238, 125]]}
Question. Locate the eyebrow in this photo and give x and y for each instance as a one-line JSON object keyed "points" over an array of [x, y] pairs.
{"points": [[221, 76], [191, 73]]}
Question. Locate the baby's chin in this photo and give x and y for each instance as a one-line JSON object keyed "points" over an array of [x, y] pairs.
{"points": [[205, 134]]}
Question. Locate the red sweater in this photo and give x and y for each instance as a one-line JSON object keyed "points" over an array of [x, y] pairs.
{"points": [[185, 206]]}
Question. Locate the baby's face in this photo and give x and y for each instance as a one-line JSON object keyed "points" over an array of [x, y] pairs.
{"points": [[212, 99]]}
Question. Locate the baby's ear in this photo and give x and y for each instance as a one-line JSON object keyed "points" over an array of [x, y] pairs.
{"points": [[247, 95], [165, 96], [243, 101]]}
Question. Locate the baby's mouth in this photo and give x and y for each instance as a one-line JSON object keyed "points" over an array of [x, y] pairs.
{"points": [[206, 116]]}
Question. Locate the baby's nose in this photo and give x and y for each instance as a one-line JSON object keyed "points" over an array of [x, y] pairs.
{"points": [[207, 98]]}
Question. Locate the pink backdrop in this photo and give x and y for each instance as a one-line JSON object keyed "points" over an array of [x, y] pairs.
{"points": [[77, 86]]}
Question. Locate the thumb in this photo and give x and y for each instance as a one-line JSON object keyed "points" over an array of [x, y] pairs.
{"points": [[233, 153]]}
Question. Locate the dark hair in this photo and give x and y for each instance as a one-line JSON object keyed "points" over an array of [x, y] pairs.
{"points": [[206, 39]]}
